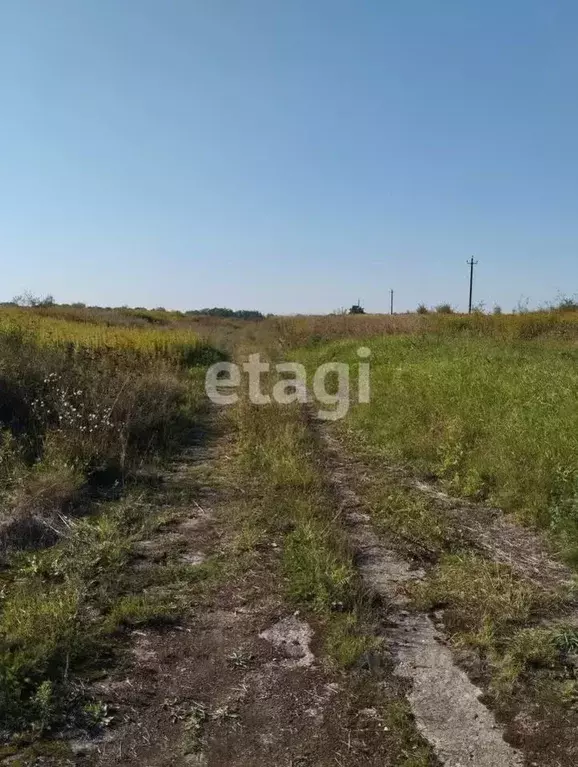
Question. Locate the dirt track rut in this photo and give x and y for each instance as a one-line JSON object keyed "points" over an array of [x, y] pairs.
{"points": [[446, 705]]}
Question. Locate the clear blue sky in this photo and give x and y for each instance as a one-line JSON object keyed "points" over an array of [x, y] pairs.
{"points": [[288, 155]]}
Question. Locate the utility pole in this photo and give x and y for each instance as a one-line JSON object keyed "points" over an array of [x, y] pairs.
{"points": [[471, 263], [391, 301]]}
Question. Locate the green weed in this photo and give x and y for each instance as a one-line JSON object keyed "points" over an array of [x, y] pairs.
{"points": [[413, 752], [410, 517], [480, 592], [316, 573], [140, 609]]}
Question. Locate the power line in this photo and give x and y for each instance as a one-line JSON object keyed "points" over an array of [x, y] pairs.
{"points": [[471, 264]]}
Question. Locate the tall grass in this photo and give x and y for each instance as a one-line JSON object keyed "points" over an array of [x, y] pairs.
{"points": [[169, 342], [310, 331], [491, 418], [84, 408], [80, 401]]}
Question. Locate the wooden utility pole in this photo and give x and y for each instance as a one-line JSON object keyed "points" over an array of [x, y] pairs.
{"points": [[391, 301], [471, 263]]}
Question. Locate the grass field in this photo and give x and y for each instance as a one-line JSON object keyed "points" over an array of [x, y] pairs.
{"points": [[491, 417], [482, 408], [93, 402], [149, 334], [298, 331]]}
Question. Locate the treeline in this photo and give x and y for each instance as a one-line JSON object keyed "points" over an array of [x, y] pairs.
{"points": [[31, 301], [238, 314]]}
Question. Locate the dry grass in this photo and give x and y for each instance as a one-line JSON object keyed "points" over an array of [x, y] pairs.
{"points": [[311, 330], [84, 407], [167, 342]]}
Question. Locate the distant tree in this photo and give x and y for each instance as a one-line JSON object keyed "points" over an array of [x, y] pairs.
{"points": [[217, 311], [29, 299], [444, 309], [248, 314], [357, 309], [523, 306], [497, 310], [479, 308], [422, 309], [565, 303], [78, 305]]}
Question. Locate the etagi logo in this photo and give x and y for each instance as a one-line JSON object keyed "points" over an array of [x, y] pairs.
{"points": [[223, 378]]}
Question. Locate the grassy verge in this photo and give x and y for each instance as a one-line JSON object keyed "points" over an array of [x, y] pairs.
{"points": [[489, 609], [491, 419], [81, 428], [65, 611], [505, 627], [495, 420]]}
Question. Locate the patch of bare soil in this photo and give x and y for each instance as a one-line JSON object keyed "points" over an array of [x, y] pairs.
{"points": [[239, 681], [449, 709]]}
